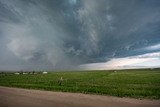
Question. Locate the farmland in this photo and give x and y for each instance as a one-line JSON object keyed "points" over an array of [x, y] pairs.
{"points": [[143, 83]]}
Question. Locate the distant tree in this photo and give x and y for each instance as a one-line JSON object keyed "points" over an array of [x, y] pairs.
{"points": [[33, 72]]}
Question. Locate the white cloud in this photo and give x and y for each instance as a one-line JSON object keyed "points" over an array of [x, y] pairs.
{"points": [[153, 47], [149, 55], [139, 61], [21, 43]]}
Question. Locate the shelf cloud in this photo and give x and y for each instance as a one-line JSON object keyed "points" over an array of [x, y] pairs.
{"points": [[67, 34]]}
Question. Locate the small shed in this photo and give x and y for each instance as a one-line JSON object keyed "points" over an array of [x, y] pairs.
{"points": [[17, 73], [44, 72], [24, 73]]}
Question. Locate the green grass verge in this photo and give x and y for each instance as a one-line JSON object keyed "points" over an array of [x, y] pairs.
{"points": [[125, 83]]}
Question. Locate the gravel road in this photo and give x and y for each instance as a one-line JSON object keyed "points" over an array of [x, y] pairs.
{"points": [[15, 97]]}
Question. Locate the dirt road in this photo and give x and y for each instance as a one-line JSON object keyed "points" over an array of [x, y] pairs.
{"points": [[14, 97]]}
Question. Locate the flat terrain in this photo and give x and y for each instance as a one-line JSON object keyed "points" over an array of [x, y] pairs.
{"points": [[14, 97], [139, 84]]}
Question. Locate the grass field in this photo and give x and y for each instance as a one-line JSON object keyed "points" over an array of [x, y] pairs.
{"points": [[125, 83]]}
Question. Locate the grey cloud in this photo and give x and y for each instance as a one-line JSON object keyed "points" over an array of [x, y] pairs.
{"points": [[62, 34]]}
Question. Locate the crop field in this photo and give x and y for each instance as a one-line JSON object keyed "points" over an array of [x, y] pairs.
{"points": [[122, 83]]}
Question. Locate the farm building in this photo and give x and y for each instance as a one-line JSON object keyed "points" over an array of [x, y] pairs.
{"points": [[24, 73], [44, 72], [16, 73]]}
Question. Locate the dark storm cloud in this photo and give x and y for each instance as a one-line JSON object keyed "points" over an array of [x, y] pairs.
{"points": [[62, 34]]}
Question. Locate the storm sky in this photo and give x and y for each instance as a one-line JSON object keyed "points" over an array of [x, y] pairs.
{"points": [[79, 34]]}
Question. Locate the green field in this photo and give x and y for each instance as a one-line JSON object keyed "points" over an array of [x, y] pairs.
{"points": [[124, 83]]}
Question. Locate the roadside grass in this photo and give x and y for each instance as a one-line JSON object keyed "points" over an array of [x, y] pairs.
{"points": [[123, 83]]}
